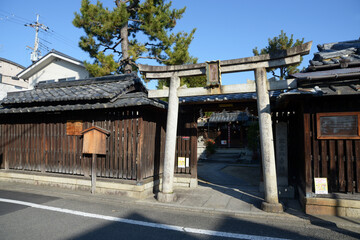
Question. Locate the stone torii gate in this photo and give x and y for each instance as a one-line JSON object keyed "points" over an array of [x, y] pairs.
{"points": [[258, 64]]}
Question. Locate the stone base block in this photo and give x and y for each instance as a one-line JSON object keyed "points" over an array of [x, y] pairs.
{"points": [[118, 187], [166, 197], [272, 207], [283, 191]]}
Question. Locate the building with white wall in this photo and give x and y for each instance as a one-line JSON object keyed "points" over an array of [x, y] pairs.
{"points": [[54, 67], [9, 82]]}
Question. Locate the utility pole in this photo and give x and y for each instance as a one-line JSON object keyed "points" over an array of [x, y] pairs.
{"points": [[35, 55]]}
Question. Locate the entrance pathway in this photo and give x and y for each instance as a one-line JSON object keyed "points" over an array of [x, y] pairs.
{"points": [[228, 183]]}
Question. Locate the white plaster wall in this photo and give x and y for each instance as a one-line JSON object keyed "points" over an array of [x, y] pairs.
{"points": [[5, 88], [58, 69], [9, 70]]}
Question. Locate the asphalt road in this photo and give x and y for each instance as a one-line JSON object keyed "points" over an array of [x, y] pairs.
{"points": [[40, 216]]}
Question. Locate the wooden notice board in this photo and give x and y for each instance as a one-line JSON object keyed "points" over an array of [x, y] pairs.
{"points": [[95, 140], [74, 127], [340, 125]]}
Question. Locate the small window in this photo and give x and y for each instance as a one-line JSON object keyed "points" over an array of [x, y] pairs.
{"points": [[47, 81], [66, 79], [0, 78]]}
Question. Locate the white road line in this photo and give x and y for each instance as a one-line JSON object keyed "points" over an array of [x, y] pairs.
{"points": [[140, 223]]}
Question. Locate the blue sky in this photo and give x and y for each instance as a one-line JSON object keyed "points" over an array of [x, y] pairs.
{"points": [[226, 29]]}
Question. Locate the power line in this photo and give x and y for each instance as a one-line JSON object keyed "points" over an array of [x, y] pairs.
{"points": [[39, 28], [10, 19], [51, 33], [15, 16]]}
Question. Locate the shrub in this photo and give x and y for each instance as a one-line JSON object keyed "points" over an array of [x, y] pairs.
{"points": [[210, 146]]}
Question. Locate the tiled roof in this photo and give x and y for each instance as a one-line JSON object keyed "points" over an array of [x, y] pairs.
{"points": [[334, 70], [229, 117], [89, 89], [224, 97], [332, 90], [336, 53], [96, 93]]}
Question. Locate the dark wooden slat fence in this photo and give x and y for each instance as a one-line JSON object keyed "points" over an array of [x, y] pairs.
{"points": [[338, 160], [40, 143]]}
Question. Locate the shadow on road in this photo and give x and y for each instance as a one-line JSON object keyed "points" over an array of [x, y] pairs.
{"points": [[228, 228]]}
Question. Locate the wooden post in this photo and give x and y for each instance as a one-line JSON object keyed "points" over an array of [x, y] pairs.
{"points": [[94, 142], [93, 174], [307, 152], [139, 163], [271, 203], [6, 147], [167, 194]]}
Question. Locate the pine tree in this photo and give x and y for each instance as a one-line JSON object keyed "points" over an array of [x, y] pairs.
{"points": [[194, 81], [121, 31], [282, 42]]}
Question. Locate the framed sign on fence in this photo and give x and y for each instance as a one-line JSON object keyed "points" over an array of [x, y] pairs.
{"points": [[338, 125]]}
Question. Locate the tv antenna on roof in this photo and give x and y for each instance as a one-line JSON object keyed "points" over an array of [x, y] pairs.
{"points": [[35, 55]]}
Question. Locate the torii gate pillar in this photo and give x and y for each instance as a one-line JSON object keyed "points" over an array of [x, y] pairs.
{"points": [[167, 193], [271, 203]]}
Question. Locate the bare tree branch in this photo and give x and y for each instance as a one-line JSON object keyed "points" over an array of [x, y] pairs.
{"points": [[136, 20], [118, 2], [156, 58], [273, 73], [153, 44]]}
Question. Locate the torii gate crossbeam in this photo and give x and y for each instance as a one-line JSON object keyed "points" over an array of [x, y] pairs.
{"points": [[258, 64]]}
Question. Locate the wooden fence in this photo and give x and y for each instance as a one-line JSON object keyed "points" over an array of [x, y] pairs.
{"points": [[335, 159], [41, 143], [338, 160], [186, 146]]}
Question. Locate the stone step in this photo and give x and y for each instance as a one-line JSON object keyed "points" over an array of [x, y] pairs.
{"points": [[231, 150]]}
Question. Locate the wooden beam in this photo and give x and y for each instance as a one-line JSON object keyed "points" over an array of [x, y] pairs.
{"points": [[224, 89], [226, 68], [303, 49], [286, 57]]}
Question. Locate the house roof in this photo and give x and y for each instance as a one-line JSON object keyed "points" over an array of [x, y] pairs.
{"points": [[96, 128], [94, 93], [229, 117], [11, 62], [334, 70], [331, 90], [337, 54], [225, 97], [45, 60]]}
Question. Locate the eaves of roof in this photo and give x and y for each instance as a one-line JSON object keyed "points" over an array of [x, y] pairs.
{"points": [[334, 73], [229, 117], [116, 91], [94, 89], [130, 101], [352, 89], [224, 97]]}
